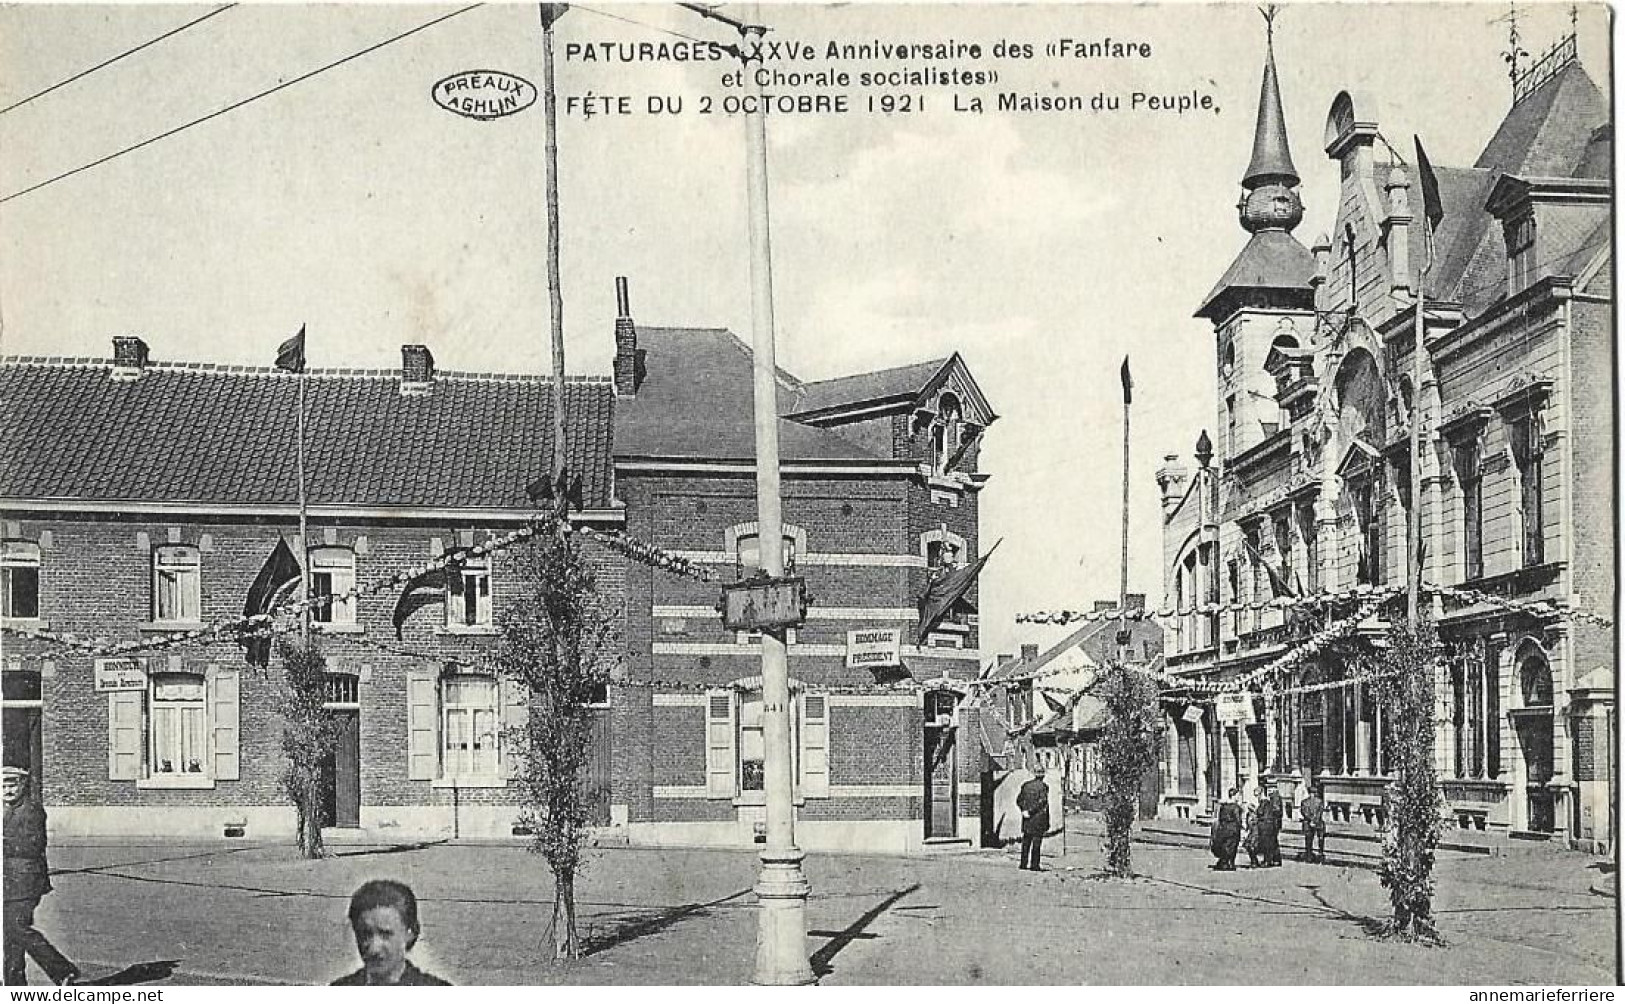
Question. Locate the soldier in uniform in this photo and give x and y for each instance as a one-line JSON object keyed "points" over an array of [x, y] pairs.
{"points": [[1033, 801]]}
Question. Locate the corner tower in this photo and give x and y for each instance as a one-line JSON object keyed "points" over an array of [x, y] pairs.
{"points": [[1265, 298]]}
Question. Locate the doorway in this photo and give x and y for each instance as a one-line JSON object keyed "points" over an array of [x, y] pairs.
{"points": [[941, 772], [21, 729], [341, 769]]}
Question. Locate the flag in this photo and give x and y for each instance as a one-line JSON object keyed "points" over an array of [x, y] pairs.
{"points": [[1278, 584], [420, 590], [290, 355], [944, 591], [280, 571], [1432, 205], [1128, 383]]}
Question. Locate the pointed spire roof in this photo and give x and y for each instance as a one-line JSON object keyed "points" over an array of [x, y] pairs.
{"points": [[1272, 159]]}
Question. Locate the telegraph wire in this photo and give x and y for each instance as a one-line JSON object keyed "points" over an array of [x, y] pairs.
{"points": [[238, 104], [640, 24], [109, 62]]}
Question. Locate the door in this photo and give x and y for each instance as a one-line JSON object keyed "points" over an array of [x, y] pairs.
{"points": [[941, 795], [341, 772], [20, 731], [595, 776], [1535, 735]]}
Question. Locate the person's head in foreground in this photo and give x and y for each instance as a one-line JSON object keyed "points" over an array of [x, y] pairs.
{"points": [[16, 785], [384, 919]]}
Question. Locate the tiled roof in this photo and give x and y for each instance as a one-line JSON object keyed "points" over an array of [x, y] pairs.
{"points": [[899, 381], [1272, 259], [696, 402], [1547, 133], [227, 435], [1463, 230]]}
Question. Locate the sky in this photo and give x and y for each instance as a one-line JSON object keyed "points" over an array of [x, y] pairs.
{"points": [[1043, 247]]}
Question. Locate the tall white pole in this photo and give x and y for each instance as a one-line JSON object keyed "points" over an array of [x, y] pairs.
{"points": [[550, 14], [304, 530], [781, 888]]}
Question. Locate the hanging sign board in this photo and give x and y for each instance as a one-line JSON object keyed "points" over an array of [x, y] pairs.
{"points": [[874, 648], [120, 674], [1193, 714], [1236, 708], [760, 604]]}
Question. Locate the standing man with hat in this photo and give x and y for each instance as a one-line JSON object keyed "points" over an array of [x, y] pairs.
{"points": [[27, 877], [1033, 801]]}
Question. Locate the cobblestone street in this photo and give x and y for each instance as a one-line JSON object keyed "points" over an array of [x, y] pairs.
{"points": [[258, 914]]}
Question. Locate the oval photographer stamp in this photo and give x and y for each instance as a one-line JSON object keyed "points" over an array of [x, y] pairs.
{"points": [[484, 94]]}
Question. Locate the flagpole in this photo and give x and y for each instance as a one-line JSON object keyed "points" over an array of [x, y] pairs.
{"points": [[304, 540], [1413, 535], [1122, 564]]}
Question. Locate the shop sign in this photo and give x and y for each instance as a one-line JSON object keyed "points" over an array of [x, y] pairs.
{"points": [[764, 603], [1235, 709], [873, 648], [120, 674]]}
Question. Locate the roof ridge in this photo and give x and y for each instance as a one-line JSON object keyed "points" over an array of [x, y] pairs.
{"points": [[749, 352], [328, 372]]}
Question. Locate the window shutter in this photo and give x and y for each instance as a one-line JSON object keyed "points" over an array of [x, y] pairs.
{"points": [[124, 734], [422, 725], [719, 744], [814, 746], [515, 716], [224, 702]]}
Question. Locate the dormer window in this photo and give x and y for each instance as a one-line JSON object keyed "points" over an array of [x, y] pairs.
{"points": [[1520, 239], [947, 433]]}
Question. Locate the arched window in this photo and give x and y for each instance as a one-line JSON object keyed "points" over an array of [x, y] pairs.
{"points": [[1535, 680], [947, 431], [743, 541]]}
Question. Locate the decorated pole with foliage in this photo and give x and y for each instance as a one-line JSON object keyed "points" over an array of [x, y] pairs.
{"points": [[1128, 748], [309, 735], [556, 643], [1411, 823]]}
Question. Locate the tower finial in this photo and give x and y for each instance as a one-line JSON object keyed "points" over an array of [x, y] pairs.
{"points": [[1513, 52], [1269, 11], [1270, 202]]}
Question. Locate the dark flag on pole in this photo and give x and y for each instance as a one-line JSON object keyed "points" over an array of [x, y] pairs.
{"points": [[290, 355], [1128, 384], [944, 591], [1432, 205], [280, 571]]}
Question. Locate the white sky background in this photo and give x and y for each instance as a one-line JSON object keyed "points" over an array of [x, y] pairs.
{"points": [[1042, 247]]}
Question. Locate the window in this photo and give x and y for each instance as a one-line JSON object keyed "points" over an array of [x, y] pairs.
{"points": [[332, 573], [1468, 455], [944, 553], [469, 602], [1281, 523], [19, 579], [176, 591], [1365, 497], [1528, 448], [748, 556], [1311, 546], [1520, 238], [470, 734], [736, 744], [1230, 431], [178, 725]]}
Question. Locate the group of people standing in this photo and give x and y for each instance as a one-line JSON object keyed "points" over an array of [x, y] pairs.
{"points": [[1251, 821]]}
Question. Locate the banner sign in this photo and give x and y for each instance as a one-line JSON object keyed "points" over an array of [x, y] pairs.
{"points": [[758, 604], [120, 674], [873, 648], [1235, 708]]}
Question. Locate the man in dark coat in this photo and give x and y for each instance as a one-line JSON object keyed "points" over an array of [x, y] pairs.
{"points": [[1313, 811], [27, 877], [1226, 833], [1033, 801]]}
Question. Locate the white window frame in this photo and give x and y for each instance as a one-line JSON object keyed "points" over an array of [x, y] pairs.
{"points": [[809, 739], [337, 564], [164, 704], [475, 571], [14, 555], [185, 563], [448, 711]]}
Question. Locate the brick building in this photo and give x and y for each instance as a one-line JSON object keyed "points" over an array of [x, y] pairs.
{"points": [[880, 487], [141, 499], [1307, 489]]}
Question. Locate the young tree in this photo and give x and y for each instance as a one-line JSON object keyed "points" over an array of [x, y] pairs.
{"points": [[309, 735], [1411, 827], [556, 645], [1128, 748]]}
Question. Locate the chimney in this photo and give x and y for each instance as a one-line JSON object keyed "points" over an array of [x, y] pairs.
{"points": [[1029, 652], [1105, 605], [129, 357], [417, 369], [1396, 228], [1136, 601], [628, 357]]}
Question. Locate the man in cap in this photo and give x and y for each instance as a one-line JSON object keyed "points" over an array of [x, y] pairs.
{"points": [[1033, 801], [27, 877]]}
